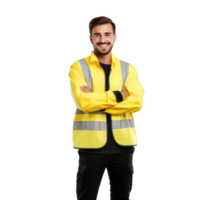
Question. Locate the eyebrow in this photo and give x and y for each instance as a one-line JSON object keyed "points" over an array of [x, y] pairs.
{"points": [[105, 33]]}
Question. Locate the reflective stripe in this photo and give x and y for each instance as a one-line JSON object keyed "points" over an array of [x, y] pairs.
{"points": [[87, 72], [101, 126], [125, 123], [124, 70], [89, 125]]}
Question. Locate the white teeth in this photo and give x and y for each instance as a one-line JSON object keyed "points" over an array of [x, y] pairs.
{"points": [[105, 45]]}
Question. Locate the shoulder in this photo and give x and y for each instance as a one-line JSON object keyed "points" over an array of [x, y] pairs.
{"points": [[75, 64], [80, 60], [130, 67]]}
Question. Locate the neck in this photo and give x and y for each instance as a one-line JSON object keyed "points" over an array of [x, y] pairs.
{"points": [[105, 59]]}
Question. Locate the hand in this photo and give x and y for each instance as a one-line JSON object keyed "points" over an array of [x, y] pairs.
{"points": [[125, 94], [85, 89]]}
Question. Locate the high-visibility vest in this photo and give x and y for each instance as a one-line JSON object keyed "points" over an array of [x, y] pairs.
{"points": [[89, 129]]}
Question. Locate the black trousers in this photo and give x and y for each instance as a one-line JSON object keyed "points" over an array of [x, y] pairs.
{"points": [[90, 172]]}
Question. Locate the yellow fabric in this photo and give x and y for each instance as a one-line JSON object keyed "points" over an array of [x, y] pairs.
{"points": [[89, 139], [100, 99]]}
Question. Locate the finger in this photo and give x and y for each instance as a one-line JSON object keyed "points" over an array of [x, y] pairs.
{"points": [[87, 88], [83, 87], [84, 90]]}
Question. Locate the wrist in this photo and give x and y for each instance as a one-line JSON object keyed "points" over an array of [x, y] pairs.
{"points": [[118, 96]]}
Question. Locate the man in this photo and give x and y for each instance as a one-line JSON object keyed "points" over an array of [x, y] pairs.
{"points": [[106, 92]]}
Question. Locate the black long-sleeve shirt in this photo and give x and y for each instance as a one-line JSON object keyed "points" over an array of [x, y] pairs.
{"points": [[111, 146]]}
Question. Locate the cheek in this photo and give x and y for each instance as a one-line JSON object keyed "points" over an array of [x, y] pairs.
{"points": [[111, 41], [95, 42]]}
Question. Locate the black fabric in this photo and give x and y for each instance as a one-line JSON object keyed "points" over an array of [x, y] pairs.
{"points": [[118, 95], [90, 171], [111, 146]]}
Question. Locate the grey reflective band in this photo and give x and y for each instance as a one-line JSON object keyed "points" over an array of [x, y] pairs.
{"points": [[101, 126], [124, 70], [86, 71], [89, 125]]}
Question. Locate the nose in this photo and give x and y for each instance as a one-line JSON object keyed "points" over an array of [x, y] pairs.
{"points": [[102, 40]]}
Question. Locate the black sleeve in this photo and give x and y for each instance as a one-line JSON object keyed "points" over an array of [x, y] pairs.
{"points": [[118, 96]]}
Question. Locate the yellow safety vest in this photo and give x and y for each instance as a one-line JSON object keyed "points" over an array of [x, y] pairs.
{"points": [[90, 125]]}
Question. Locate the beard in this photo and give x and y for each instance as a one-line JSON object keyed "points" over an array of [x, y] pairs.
{"points": [[104, 53]]}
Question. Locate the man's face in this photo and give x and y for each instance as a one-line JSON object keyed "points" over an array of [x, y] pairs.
{"points": [[103, 38]]}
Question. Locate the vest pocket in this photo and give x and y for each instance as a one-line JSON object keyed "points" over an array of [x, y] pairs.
{"points": [[131, 169]]}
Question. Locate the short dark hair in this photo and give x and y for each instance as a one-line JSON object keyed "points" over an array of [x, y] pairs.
{"points": [[101, 20]]}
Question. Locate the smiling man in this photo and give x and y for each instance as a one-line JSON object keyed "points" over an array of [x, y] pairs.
{"points": [[106, 92], [103, 40]]}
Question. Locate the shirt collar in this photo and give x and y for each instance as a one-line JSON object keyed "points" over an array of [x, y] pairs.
{"points": [[93, 58]]}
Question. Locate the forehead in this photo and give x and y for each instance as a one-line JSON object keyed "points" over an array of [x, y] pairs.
{"points": [[102, 28]]}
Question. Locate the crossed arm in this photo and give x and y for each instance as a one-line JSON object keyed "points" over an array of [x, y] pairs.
{"points": [[122, 95], [118, 108], [89, 101]]}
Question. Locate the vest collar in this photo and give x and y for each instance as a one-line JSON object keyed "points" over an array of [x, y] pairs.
{"points": [[93, 58]]}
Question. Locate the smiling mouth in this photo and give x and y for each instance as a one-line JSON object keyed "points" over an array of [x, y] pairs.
{"points": [[103, 46]]}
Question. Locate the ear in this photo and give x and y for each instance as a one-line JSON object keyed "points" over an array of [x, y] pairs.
{"points": [[90, 39], [115, 37]]}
